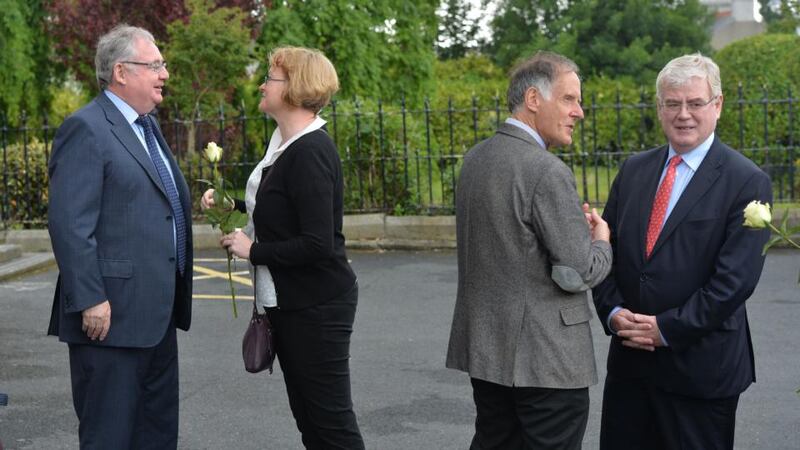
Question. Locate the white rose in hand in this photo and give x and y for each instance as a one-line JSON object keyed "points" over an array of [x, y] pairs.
{"points": [[213, 152]]}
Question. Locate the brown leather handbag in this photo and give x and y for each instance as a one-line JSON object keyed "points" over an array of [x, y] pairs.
{"points": [[258, 344]]}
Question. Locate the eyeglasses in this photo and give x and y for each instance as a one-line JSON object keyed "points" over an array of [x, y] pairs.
{"points": [[691, 106], [268, 78], [154, 66]]}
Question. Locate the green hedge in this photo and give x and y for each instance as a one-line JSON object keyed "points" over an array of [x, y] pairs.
{"points": [[759, 76], [25, 196]]}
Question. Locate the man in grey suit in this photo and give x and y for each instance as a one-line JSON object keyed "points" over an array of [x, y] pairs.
{"points": [[526, 258], [120, 223]]}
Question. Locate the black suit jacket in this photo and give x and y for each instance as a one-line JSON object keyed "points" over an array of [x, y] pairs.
{"points": [[703, 267]]}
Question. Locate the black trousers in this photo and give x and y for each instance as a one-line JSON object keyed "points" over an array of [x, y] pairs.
{"points": [[510, 418], [637, 415], [313, 348], [126, 398]]}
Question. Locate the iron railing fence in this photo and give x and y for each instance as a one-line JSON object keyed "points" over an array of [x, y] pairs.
{"points": [[405, 159]]}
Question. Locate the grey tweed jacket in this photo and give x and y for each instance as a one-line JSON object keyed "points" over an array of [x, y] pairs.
{"points": [[525, 262]]}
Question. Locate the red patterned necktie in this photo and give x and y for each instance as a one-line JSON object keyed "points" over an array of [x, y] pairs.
{"points": [[659, 210]]}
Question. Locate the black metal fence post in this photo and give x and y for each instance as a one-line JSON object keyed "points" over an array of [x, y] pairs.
{"points": [[765, 111], [247, 149], [584, 154], [740, 109], [4, 208], [381, 154], [496, 111], [595, 153], [405, 143], [28, 194], [474, 119], [359, 155], [428, 154], [790, 158]]}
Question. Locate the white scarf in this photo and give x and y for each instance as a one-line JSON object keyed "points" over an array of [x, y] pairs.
{"points": [[262, 280]]}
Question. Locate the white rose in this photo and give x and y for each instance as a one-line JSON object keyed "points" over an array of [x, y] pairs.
{"points": [[757, 214], [213, 152]]}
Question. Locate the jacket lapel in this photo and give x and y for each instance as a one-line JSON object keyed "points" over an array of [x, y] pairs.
{"points": [[124, 133], [707, 174]]}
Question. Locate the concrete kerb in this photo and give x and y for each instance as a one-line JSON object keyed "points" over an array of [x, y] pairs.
{"points": [[31, 241], [362, 231], [379, 231]]}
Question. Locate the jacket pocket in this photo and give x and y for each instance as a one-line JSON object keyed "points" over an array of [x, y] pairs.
{"points": [[576, 314], [701, 224], [115, 268]]}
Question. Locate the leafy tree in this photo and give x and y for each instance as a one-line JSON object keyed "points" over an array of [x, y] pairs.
{"points": [[409, 67], [25, 69], [768, 13], [457, 31], [208, 56], [785, 19], [379, 47], [520, 27], [76, 25], [637, 37], [605, 37]]}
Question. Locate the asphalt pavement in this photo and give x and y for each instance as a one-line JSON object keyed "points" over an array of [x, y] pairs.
{"points": [[404, 396]]}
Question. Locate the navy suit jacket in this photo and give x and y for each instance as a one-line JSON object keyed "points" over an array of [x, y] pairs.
{"points": [[111, 227], [703, 267]]}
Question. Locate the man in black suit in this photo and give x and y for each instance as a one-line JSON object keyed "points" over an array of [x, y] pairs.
{"points": [[684, 265], [120, 223]]}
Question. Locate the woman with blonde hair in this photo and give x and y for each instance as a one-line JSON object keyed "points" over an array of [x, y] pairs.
{"points": [[294, 241]]}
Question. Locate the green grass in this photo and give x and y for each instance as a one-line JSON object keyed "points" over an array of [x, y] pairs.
{"points": [[598, 183]]}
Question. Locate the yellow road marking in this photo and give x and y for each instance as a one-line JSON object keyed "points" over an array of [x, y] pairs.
{"points": [[206, 277], [220, 297], [223, 275]]}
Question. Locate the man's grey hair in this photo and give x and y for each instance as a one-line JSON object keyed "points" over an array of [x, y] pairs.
{"points": [[115, 46], [540, 71], [682, 69]]}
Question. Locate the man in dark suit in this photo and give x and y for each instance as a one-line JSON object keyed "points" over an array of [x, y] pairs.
{"points": [[120, 224], [526, 259], [684, 265]]}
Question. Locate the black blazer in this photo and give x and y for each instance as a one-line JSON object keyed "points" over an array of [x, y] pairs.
{"points": [[298, 222], [704, 266]]}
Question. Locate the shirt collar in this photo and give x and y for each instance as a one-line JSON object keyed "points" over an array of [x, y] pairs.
{"points": [[695, 156], [275, 148], [129, 113], [524, 126]]}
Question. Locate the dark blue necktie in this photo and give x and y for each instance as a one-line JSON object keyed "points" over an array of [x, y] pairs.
{"points": [[169, 187]]}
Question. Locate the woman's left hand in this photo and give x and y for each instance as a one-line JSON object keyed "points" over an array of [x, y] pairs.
{"points": [[237, 244]]}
